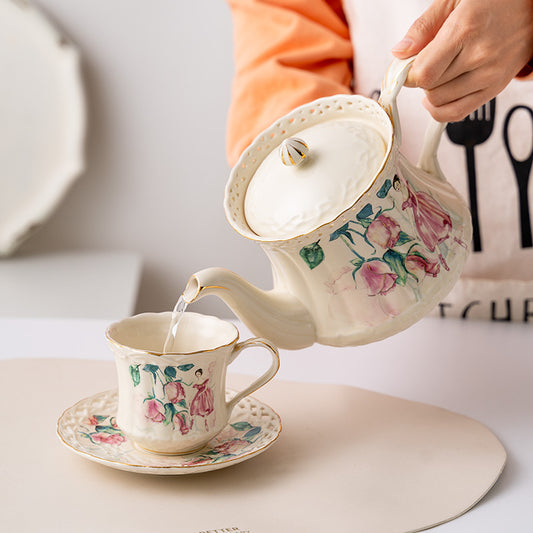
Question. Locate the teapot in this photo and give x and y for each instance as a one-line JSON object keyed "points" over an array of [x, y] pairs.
{"points": [[352, 264]]}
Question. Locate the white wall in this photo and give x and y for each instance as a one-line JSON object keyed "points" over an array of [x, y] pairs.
{"points": [[158, 80]]}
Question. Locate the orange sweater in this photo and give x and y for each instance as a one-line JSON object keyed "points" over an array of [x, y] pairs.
{"points": [[287, 53]]}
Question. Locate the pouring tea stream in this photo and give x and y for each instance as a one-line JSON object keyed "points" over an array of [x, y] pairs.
{"points": [[362, 243], [175, 319]]}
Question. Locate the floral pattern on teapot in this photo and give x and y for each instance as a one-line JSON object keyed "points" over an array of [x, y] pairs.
{"points": [[391, 247]]}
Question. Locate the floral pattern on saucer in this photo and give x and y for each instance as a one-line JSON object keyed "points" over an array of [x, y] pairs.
{"points": [[89, 428]]}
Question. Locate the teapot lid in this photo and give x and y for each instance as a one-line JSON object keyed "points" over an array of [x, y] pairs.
{"points": [[308, 180], [329, 127]]}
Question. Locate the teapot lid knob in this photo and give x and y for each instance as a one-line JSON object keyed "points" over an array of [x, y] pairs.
{"points": [[293, 151]]}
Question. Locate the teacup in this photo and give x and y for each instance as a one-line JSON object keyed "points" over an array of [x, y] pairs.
{"points": [[175, 402]]}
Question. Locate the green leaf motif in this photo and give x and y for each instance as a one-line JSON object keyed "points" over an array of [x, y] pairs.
{"points": [[254, 431], [365, 212], [357, 263], [397, 264], [152, 369], [385, 188], [170, 372], [365, 222], [403, 238], [211, 453], [107, 429], [343, 230], [185, 368], [312, 254], [100, 418], [135, 374], [242, 426], [170, 411]]}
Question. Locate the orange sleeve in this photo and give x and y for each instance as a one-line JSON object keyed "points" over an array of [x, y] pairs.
{"points": [[287, 53]]}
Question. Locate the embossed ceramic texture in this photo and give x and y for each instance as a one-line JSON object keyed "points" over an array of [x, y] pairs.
{"points": [[283, 201], [89, 429], [374, 268]]}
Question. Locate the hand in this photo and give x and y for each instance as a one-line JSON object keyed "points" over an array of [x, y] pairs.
{"points": [[468, 51]]}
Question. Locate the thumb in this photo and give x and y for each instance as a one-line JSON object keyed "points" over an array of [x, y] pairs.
{"points": [[423, 29]]}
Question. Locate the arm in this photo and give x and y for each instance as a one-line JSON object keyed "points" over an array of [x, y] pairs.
{"points": [[468, 51], [287, 53]]}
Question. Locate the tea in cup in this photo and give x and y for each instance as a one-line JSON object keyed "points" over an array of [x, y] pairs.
{"points": [[174, 401]]}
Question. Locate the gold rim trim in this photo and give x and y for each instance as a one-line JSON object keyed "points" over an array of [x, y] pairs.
{"points": [[101, 460], [257, 142], [140, 351]]}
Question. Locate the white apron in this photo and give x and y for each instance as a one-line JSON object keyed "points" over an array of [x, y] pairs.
{"points": [[488, 161]]}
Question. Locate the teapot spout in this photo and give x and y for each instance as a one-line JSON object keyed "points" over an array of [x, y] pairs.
{"points": [[275, 314]]}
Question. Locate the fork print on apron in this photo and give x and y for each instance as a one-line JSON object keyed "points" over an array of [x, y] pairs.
{"points": [[474, 130]]}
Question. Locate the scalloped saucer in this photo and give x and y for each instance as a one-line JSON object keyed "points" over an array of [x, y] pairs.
{"points": [[89, 429]]}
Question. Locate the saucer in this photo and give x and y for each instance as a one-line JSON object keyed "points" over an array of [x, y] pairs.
{"points": [[89, 429]]}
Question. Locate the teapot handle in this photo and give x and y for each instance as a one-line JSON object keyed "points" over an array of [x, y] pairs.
{"points": [[392, 83]]}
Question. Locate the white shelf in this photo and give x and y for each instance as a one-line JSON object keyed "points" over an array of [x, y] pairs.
{"points": [[69, 285]]}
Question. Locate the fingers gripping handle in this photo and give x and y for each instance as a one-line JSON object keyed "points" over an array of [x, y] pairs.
{"points": [[392, 83], [265, 378]]}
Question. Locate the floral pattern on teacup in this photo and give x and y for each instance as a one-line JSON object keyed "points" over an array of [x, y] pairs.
{"points": [[177, 396]]}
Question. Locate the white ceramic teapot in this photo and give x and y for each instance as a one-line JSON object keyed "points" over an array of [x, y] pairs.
{"points": [[362, 243]]}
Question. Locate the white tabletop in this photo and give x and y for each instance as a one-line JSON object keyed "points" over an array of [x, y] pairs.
{"points": [[482, 370]]}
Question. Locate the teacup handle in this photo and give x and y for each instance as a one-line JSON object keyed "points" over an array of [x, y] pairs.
{"points": [[265, 378], [392, 83]]}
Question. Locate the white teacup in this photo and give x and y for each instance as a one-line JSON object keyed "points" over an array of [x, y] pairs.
{"points": [[175, 402]]}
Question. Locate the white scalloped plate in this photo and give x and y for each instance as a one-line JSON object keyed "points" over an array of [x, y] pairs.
{"points": [[89, 429], [42, 120]]}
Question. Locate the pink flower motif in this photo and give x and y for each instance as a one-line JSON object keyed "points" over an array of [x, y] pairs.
{"points": [[174, 391], [92, 421], [231, 446], [383, 231], [106, 438], [420, 266], [182, 423], [343, 282], [432, 222], [155, 411], [379, 278]]}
